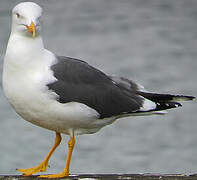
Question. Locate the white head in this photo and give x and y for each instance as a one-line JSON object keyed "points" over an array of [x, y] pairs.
{"points": [[26, 19]]}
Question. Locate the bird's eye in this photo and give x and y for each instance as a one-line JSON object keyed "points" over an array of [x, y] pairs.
{"points": [[18, 15]]}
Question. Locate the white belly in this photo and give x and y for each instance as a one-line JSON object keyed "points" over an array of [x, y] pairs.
{"points": [[27, 92], [26, 73]]}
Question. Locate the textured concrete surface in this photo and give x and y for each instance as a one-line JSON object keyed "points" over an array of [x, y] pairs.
{"points": [[112, 177]]}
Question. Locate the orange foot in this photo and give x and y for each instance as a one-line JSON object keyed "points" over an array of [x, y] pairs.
{"points": [[29, 171], [51, 176]]}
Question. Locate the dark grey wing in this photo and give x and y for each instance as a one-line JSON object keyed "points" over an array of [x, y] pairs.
{"points": [[127, 85], [162, 101], [77, 81]]}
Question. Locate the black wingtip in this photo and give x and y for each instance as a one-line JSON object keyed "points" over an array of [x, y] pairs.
{"points": [[192, 98], [167, 105], [177, 105], [184, 98]]}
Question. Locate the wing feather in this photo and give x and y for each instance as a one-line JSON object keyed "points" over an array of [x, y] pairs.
{"points": [[77, 81]]}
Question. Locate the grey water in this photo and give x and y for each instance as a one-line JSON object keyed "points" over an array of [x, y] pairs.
{"points": [[153, 42]]}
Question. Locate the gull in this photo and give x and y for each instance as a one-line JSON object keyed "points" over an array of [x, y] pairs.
{"points": [[67, 95]]}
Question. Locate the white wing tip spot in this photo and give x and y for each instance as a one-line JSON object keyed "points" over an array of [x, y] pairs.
{"points": [[148, 105]]}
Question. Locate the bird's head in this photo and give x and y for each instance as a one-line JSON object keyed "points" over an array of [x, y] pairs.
{"points": [[26, 19]]}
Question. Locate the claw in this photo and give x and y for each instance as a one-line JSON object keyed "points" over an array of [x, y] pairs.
{"points": [[51, 176], [36, 169]]}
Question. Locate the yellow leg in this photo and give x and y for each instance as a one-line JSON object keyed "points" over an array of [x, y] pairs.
{"points": [[43, 166], [65, 172]]}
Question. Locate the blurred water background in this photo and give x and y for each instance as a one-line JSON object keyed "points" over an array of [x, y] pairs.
{"points": [[151, 41]]}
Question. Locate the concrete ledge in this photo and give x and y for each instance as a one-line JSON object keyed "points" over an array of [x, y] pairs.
{"points": [[111, 177]]}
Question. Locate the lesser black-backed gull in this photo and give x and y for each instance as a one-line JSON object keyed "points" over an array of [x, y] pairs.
{"points": [[64, 94]]}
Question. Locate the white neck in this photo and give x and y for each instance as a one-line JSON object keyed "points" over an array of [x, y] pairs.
{"points": [[27, 43], [23, 46]]}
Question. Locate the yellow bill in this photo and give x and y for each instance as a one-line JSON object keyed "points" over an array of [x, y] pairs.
{"points": [[32, 29]]}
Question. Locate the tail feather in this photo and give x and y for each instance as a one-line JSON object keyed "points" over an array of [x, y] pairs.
{"points": [[165, 97], [165, 101]]}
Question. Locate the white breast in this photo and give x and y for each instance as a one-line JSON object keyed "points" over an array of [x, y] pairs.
{"points": [[25, 77]]}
